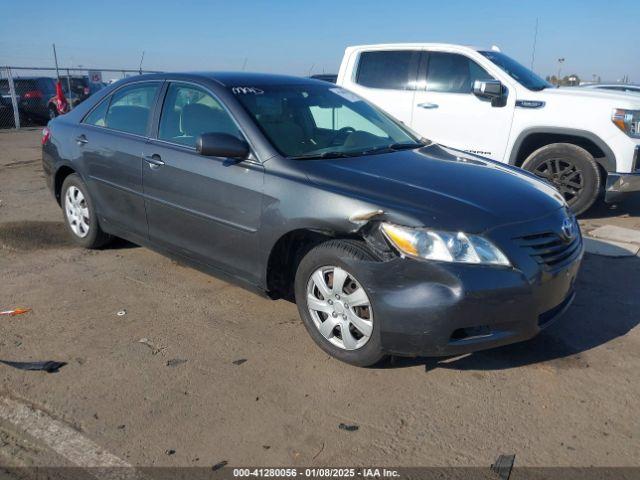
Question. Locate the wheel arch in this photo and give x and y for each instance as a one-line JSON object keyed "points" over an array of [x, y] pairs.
{"points": [[61, 174], [286, 254], [532, 139]]}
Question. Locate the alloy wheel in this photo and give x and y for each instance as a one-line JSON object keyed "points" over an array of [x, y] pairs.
{"points": [[77, 211], [564, 175], [340, 307]]}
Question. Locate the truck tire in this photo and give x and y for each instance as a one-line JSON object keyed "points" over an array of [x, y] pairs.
{"points": [[571, 170], [347, 332], [80, 216]]}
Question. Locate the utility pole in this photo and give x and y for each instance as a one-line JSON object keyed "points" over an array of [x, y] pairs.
{"points": [[55, 58], [560, 62], [535, 40]]}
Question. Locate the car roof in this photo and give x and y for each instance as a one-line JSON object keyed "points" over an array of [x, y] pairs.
{"points": [[418, 45], [234, 79]]}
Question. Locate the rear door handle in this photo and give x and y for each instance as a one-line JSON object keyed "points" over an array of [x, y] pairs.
{"points": [[81, 140], [428, 105], [154, 161]]}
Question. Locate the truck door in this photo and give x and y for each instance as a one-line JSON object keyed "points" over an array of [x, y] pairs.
{"points": [[446, 111], [387, 79]]}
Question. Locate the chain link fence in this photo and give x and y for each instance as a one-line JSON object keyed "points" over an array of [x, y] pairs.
{"points": [[28, 94]]}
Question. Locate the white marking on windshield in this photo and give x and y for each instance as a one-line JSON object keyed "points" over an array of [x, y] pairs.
{"points": [[247, 90]]}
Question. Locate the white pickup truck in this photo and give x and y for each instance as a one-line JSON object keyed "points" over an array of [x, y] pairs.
{"points": [[482, 101]]}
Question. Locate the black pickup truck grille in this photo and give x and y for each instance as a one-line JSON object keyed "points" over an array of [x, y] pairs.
{"points": [[550, 249]]}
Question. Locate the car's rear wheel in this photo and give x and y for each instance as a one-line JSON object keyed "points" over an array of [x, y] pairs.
{"points": [[571, 170], [80, 215], [334, 304]]}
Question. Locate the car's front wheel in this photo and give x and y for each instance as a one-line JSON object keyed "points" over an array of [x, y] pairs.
{"points": [[80, 215], [335, 305], [569, 168]]}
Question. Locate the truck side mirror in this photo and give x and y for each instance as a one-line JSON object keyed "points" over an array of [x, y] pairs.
{"points": [[490, 89]]}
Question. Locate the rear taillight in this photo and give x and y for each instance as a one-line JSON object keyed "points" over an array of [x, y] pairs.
{"points": [[46, 135], [33, 94]]}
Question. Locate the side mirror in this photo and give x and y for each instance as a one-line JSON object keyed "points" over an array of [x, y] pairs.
{"points": [[222, 145], [487, 88]]}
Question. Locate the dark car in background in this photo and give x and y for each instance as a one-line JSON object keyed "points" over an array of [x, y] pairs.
{"points": [[81, 89], [33, 95], [302, 190]]}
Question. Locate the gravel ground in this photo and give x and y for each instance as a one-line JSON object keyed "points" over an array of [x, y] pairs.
{"points": [[224, 375]]}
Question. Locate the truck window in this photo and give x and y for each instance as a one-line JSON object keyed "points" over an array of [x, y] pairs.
{"points": [[453, 73], [393, 70]]}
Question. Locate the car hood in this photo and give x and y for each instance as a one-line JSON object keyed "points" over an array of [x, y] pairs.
{"points": [[617, 99], [438, 187]]}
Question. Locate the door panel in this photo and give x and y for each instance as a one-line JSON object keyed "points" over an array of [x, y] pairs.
{"points": [[113, 163], [111, 140], [207, 208], [447, 112]]}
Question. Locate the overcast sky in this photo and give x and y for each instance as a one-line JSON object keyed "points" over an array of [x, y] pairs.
{"points": [[297, 36]]}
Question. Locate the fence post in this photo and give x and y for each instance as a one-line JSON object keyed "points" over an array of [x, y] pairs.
{"points": [[14, 99]]}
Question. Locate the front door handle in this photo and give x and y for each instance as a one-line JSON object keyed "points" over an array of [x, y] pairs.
{"points": [[154, 161], [81, 140], [428, 105]]}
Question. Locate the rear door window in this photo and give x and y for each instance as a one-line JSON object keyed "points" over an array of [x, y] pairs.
{"points": [[129, 109], [391, 69], [453, 73]]}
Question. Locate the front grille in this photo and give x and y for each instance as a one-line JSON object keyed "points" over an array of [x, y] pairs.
{"points": [[550, 249]]}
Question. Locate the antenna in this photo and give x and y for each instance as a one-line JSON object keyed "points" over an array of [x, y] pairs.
{"points": [[244, 64], [535, 40], [141, 59]]}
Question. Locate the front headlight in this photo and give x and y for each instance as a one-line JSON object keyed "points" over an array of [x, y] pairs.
{"points": [[628, 121], [456, 247]]}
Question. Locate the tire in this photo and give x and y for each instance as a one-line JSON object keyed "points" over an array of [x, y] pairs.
{"points": [[327, 260], [53, 112], [80, 216], [569, 168]]}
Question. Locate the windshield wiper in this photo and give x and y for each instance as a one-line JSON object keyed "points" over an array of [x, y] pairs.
{"points": [[392, 148], [380, 148], [332, 154], [406, 146]]}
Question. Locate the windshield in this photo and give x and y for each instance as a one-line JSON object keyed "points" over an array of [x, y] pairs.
{"points": [[518, 72], [317, 121]]}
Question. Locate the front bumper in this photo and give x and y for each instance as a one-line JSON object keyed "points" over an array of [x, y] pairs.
{"points": [[619, 185], [437, 309]]}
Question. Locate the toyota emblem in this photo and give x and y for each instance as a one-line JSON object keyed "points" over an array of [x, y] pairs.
{"points": [[569, 228]]}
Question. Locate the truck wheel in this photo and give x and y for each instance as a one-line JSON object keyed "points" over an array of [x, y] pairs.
{"points": [[80, 216], [569, 168], [336, 308]]}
